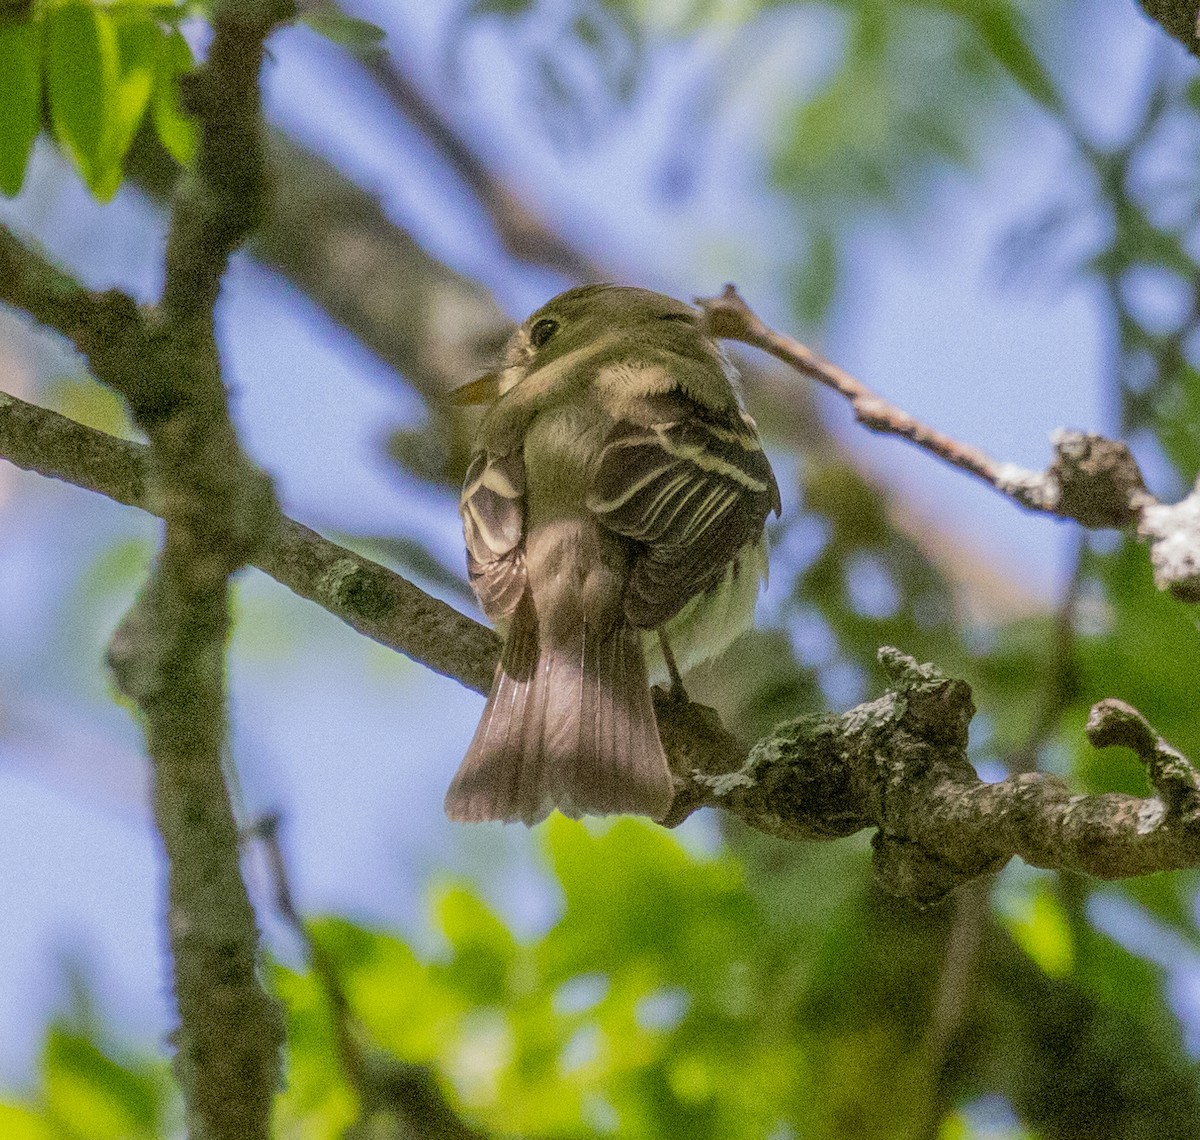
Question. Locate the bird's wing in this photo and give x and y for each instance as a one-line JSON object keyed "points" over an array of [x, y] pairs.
{"points": [[493, 513], [692, 494]]}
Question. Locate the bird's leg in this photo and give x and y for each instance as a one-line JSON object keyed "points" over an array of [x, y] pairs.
{"points": [[678, 692]]}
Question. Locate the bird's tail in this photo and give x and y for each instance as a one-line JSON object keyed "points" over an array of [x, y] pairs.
{"points": [[569, 727]]}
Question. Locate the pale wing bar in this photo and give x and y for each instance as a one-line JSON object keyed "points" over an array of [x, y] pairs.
{"points": [[493, 513], [693, 494]]}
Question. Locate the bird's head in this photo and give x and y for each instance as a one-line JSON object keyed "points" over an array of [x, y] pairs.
{"points": [[595, 325]]}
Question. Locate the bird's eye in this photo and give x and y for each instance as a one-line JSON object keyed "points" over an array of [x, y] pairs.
{"points": [[542, 331]]}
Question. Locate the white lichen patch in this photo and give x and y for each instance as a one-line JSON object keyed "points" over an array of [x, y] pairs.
{"points": [[334, 580], [723, 783], [1150, 815], [885, 708], [1173, 532], [1039, 488]]}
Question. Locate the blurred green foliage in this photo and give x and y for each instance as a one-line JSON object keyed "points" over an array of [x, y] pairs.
{"points": [[674, 997], [92, 1091]]}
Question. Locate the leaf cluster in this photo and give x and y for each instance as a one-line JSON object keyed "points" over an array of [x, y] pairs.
{"points": [[95, 71]]}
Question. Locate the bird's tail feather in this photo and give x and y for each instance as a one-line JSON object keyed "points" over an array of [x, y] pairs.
{"points": [[569, 727]]}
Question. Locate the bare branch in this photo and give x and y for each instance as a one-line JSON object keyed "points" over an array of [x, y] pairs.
{"points": [[730, 318], [168, 653], [1092, 480], [334, 241], [1178, 18], [365, 595]]}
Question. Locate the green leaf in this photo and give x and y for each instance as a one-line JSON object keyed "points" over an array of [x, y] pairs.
{"points": [[402, 1007], [118, 568], [17, 1123], [1038, 924], [484, 950], [140, 42], [638, 903], [80, 398], [315, 1100], [100, 66], [96, 1096], [175, 130], [21, 99], [1145, 649], [83, 63], [1177, 421], [346, 31]]}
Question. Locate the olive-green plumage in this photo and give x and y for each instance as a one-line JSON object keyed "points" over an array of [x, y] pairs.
{"points": [[616, 489]]}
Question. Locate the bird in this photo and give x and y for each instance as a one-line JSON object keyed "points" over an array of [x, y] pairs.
{"points": [[614, 510]]}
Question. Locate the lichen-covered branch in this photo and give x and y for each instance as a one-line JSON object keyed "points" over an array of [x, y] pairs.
{"points": [[374, 600], [899, 764], [1092, 480], [168, 654]]}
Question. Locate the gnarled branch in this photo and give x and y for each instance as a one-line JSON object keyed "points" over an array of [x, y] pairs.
{"points": [[899, 764]]}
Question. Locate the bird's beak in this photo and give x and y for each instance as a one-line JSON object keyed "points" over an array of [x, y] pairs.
{"points": [[485, 390]]}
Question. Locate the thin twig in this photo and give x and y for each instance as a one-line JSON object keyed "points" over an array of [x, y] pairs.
{"points": [[952, 997], [1092, 480], [731, 318]]}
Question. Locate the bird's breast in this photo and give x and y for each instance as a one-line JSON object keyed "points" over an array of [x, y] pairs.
{"points": [[577, 570]]}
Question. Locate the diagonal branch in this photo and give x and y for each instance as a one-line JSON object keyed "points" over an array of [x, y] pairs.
{"points": [[1179, 18], [372, 599], [1092, 480], [526, 237]]}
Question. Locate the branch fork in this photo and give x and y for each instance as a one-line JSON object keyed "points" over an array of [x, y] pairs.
{"points": [[899, 764]]}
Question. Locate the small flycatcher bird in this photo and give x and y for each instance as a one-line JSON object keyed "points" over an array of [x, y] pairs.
{"points": [[614, 506]]}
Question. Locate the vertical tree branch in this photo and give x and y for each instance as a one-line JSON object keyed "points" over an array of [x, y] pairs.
{"points": [[168, 654]]}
